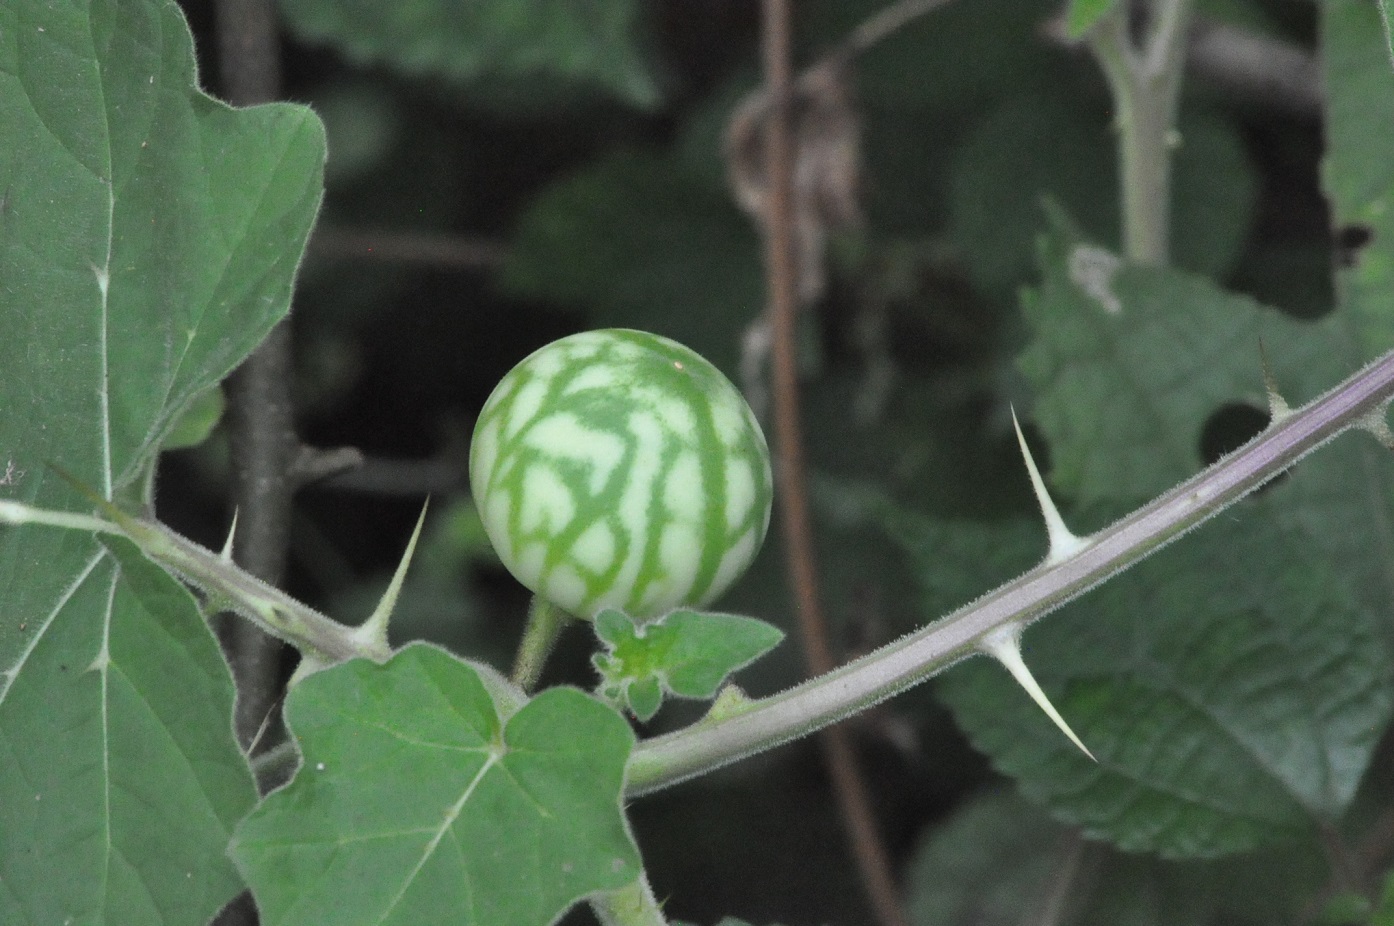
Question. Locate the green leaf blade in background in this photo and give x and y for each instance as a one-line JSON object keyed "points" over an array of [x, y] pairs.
{"points": [[148, 241], [421, 798], [1048, 145], [1358, 171], [1129, 362], [1231, 688], [523, 43], [138, 832]]}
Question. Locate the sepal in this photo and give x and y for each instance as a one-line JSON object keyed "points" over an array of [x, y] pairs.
{"points": [[687, 654]]}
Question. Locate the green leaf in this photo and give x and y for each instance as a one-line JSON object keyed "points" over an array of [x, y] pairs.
{"points": [[120, 780], [956, 560], [1386, 16], [999, 861], [1231, 688], [1129, 362], [1083, 14], [423, 797], [532, 44], [1132, 364], [1047, 144], [1358, 173], [1384, 911], [685, 653], [197, 422], [148, 237], [148, 240]]}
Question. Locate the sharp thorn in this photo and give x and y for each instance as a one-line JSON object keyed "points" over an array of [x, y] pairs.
{"points": [[226, 554], [1278, 408], [1376, 423], [374, 629], [1004, 645], [1063, 543]]}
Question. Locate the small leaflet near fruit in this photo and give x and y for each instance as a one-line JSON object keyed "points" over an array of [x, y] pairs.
{"points": [[619, 469]]}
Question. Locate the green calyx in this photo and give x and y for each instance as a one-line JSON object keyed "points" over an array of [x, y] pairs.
{"points": [[619, 469]]}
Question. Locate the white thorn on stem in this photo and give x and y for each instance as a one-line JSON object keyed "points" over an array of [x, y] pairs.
{"points": [[1377, 425], [373, 631], [1004, 645], [1278, 408], [226, 554], [1063, 543]]}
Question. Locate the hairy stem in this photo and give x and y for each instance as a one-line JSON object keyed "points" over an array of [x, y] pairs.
{"points": [[632, 905], [1358, 402], [1145, 80], [858, 685], [545, 624]]}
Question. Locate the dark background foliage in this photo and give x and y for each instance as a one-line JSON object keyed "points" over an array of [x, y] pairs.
{"points": [[483, 200]]}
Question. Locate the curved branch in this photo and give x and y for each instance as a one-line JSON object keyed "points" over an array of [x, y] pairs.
{"points": [[910, 660]]}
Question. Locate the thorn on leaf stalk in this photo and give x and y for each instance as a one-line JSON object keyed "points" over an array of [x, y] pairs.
{"points": [[1004, 645], [1063, 543], [373, 632]]}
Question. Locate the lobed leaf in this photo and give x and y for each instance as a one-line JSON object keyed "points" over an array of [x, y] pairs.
{"points": [[148, 240], [429, 793], [120, 781]]}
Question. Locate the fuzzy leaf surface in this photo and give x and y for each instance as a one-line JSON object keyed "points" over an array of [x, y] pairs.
{"points": [[120, 781], [684, 653], [423, 797], [540, 42], [1231, 688], [148, 239], [1129, 362]]}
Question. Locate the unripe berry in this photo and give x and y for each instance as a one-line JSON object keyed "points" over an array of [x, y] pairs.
{"points": [[617, 468]]}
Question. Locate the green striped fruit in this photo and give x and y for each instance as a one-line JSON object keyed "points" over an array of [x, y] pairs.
{"points": [[618, 469]]}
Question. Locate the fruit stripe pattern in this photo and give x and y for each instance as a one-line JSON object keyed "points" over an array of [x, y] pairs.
{"points": [[620, 469]]}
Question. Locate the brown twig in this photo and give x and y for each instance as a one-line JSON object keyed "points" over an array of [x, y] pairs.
{"points": [[781, 268], [262, 440], [264, 445], [449, 252], [885, 22]]}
